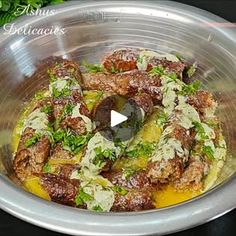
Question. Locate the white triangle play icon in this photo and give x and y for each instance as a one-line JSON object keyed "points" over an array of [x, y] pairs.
{"points": [[117, 118]]}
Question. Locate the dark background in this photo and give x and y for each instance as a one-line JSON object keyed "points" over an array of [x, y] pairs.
{"points": [[225, 225]]}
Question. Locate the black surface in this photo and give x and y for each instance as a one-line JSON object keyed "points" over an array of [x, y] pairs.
{"points": [[225, 225]]}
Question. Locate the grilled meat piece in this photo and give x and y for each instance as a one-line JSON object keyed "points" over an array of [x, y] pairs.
{"points": [[143, 101], [60, 189], [192, 176], [64, 69], [203, 102], [134, 200], [29, 161], [138, 180], [121, 60], [169, 66], [125, 84], [59, 153], [165, 171], [126, 60]]}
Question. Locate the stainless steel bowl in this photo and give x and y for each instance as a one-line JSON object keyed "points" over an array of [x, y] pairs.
{"points": [[96, 27]]}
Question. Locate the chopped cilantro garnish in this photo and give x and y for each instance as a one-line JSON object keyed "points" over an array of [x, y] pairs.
{"points": [[102, 155], [82, 197], [75, 143], [190, 89], [97, 208], [141, 149], [115, 70], [200, 130], [207, 150], [192, 69], [31, 141], [46, 109], [39, 95], [65, 92], [172, 76], [70, 142], [47, 168], [162, 118], [93, 68], [128, 172], [120, 190], [156, 70]]}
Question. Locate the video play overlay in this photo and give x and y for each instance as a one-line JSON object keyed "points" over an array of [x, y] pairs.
{"points": [[117, 118]]}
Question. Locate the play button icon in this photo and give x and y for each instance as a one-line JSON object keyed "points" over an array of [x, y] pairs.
{"points": [[117, 118]]}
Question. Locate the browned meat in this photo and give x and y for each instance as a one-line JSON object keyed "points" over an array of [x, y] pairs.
{"points": [[77, 124], [165, 171], [121, 60], [144, 101], [192, 176], [134, 200], [137, 181], [186, 137], [67, 169], [169, 66], [201, 101], [29, 161], [65, 69], [125, 84], [126, 60], [60, 189], [60, 153]]}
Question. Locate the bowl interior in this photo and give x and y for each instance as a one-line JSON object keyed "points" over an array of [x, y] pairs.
{"points": [[95, 30]]}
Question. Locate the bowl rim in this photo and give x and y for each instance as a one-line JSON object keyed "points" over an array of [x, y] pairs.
{"points": [[18, 202]]}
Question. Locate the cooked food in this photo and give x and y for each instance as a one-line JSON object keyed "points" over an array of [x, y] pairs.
{"points": [[61, 155]]}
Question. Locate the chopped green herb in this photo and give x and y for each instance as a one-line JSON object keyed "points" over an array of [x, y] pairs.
{"points": [[102, 155], [39, 95], [200, 130], [172, 76], [97, 208], [52, 76], [192, 69], [156, 70], [207, 150], [31, 141], [162, 118], [115, 70], [82, 197], [141, 149], [47, 168], [65, 92], [75, 143], [93, 68], [120, 190], [70, 142], [128, 172], [190, 89], [46, 109]]}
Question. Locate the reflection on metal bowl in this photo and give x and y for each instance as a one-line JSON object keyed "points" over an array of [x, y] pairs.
{"points": [[92, 28]]}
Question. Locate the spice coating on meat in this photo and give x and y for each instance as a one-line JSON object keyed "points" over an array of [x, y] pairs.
{"points": [[134, 200], [143, 101], [126, 60], [121, 60], [29, 161], [165, 171], [138, 180], [125, 84], [60, 189], [64, 69], [192, 176]]}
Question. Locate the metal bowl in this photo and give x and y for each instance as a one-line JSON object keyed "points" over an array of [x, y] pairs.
{"points": [[92, 29]]}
